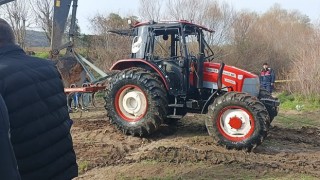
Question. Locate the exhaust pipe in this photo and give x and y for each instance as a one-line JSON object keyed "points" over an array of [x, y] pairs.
{"points": [[219, 83]]}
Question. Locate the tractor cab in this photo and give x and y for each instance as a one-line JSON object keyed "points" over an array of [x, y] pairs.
{"points": [[168, 40], [177, 48]]}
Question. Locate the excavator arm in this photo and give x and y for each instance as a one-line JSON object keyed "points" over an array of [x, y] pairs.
{"points": [[60, 17], [74, 75], [73, 67]]}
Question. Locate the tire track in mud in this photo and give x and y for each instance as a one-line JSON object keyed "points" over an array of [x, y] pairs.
{"points": [[308, 135], [288, 150], [301, 162], [100, 144]]}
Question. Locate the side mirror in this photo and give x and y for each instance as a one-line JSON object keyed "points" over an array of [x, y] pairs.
{"points": [[136, 44], [130, 23]]}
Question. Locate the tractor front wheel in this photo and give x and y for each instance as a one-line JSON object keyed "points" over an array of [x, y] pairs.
{"points": [[136, 102], [238, 121]]}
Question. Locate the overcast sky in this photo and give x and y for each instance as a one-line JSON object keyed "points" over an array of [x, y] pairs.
{"points": [[88, 8]]}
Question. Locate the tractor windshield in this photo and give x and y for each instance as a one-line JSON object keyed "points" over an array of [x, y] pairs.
{"points": [[172, 43], [166, 44]]}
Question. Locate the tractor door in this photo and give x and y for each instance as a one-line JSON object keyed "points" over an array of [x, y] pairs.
{"points": [[140, 43], [166, 51]]}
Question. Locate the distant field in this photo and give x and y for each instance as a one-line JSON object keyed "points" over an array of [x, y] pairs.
{"points": [[46, 49], [38, 49], [42, 52]]}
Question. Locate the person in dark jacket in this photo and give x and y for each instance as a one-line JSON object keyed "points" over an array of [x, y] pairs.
{"points": [[39, 120], [8, 163], [267, 78]]}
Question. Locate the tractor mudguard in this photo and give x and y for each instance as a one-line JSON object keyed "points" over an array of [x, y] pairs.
{"points": [[129, 63]]}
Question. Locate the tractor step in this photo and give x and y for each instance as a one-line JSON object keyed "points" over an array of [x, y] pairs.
{"points": [[192, 104], [176, 105], [174, 116]]}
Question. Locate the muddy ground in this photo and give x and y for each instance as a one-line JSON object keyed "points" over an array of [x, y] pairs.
{"points": [[185, 151]]}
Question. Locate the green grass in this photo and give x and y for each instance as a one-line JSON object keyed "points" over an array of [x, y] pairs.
{"points": [[296, 120], [43, 55], [83, 166], [298, 102], [297, 111]]}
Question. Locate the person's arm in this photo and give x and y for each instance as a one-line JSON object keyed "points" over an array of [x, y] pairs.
{"points": [[8, 163]]}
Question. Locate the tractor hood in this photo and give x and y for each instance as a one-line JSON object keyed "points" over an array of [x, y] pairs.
{"points": [[239, 79]]}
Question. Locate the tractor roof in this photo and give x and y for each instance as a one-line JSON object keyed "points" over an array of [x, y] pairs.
{"points": [[172, 24], [160, 25]]}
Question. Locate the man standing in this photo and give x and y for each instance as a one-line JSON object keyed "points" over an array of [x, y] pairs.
{"points": [[267, 78], [8, 163], [39, 120]]}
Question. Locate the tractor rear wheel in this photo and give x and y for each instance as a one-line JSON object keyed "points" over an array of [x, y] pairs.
{"points": [[136, 102], [272, 110], [238, 121]]}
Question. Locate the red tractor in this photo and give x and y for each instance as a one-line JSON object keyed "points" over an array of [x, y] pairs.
{"points": [[170, 73]]}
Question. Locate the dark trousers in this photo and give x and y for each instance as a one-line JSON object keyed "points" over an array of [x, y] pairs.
{"points": [[267, 86]]}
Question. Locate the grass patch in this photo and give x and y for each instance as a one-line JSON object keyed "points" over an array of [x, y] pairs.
{"points": [[296, 120], [297, 111], [83, 166], [43, 55], [298, 102]]}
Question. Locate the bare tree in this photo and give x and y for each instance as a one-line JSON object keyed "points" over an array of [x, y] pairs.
{"points": [[43, 11], [272, 37], [105, 48], [211, 13], [18, 14], [304, 74], [150, 9], [191, 10]]}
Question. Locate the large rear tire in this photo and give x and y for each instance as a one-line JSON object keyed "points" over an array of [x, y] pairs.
{"points": [[272, 110], [237, 121], [136, 102]]}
